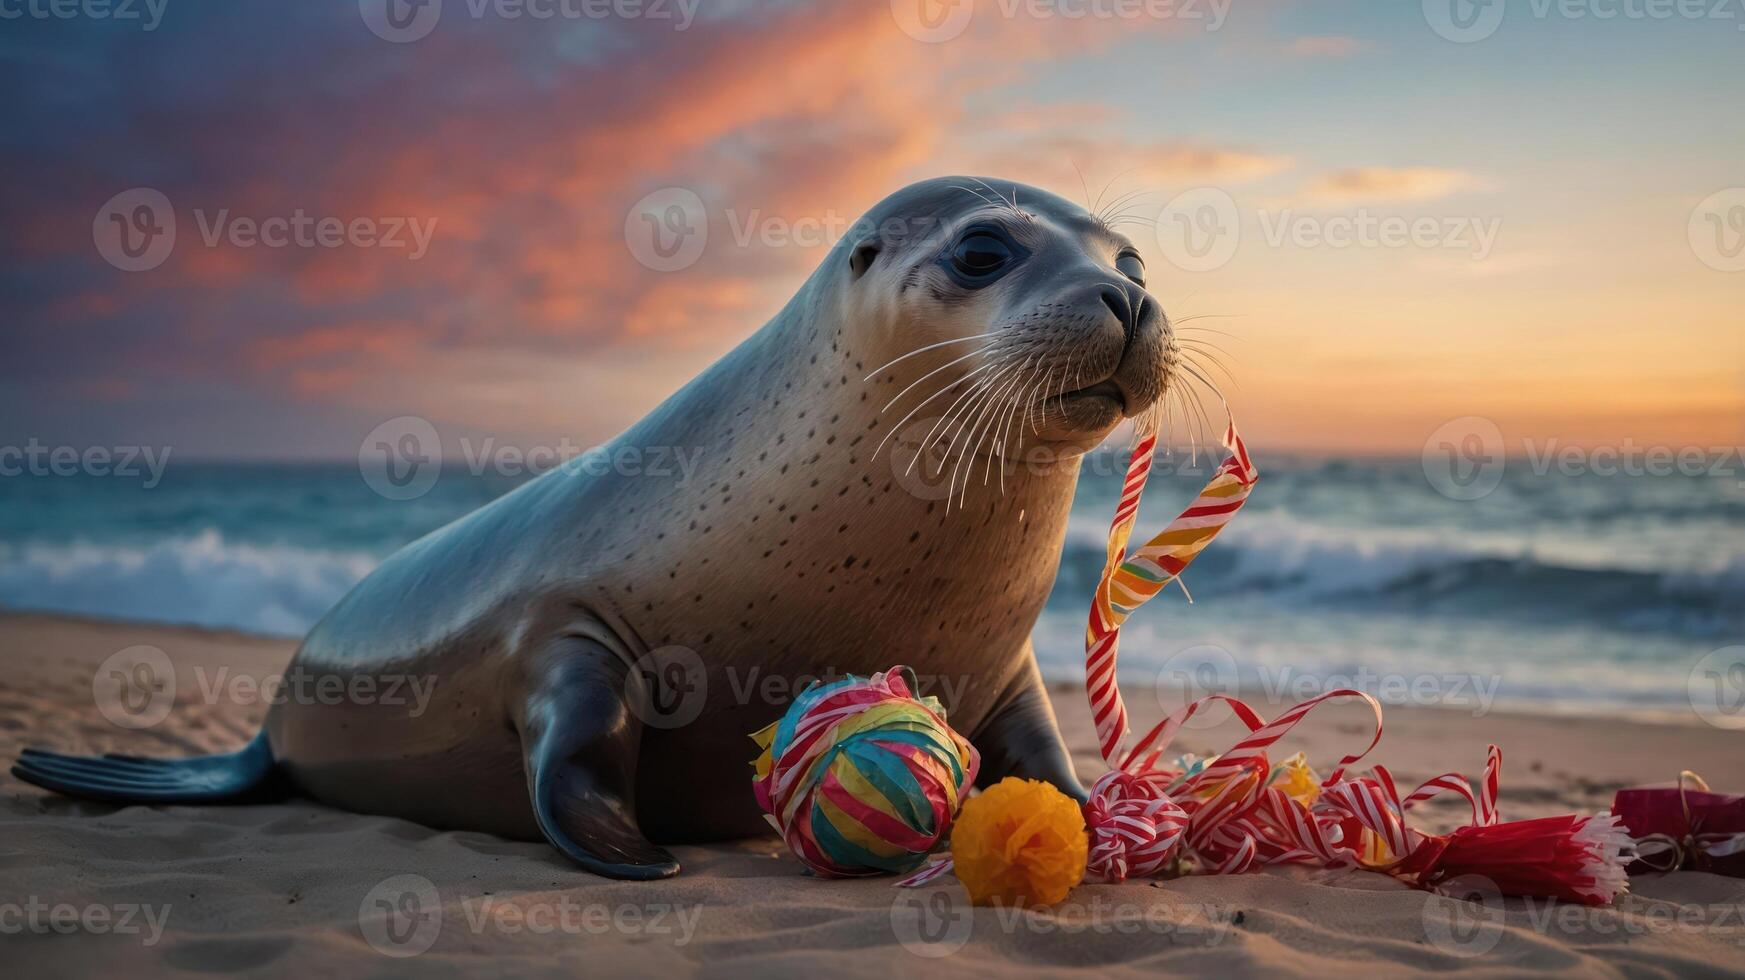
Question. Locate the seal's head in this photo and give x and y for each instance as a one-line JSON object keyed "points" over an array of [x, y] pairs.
{"points": [[1013, 315]]}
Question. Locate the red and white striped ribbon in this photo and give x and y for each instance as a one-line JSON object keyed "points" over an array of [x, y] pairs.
{"points": [[1142, 815], [1129, 581]]}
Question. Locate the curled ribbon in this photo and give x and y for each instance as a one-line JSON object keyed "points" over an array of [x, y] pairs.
{"points": [[1226, 814]]}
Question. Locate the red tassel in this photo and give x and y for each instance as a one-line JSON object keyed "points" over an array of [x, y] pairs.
{"points": [[1577, 859]]}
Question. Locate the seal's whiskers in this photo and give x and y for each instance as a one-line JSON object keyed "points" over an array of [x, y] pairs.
{"points": [[929, 374], [965, 400], [1020, 404], [923, 350], [943, 388], [1216, 361], [972, 420], [982, 429]]}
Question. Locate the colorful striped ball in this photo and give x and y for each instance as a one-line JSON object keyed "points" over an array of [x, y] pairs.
{"points": [[861, 777]]}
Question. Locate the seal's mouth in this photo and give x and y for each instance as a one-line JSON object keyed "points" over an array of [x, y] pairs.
{"points": [[1106, 389]]}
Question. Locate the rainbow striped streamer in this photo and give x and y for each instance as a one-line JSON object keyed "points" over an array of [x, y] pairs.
{"points": [[1129, 581]]}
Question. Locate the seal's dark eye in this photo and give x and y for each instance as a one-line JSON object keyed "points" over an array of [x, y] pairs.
{"points": [[980, 255], [1128, 264]]}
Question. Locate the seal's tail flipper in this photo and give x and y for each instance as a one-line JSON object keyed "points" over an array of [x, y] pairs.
{"points": [[248, 776], [580, 739]]}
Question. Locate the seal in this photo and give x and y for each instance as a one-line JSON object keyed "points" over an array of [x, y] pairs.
{"points": [[600, 640]]}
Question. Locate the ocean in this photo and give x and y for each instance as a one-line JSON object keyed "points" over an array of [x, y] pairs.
{"points": [[1583, 593]]}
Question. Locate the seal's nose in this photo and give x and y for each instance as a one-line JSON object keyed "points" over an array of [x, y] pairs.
{"points": [[1117, 303], [1127, 305]]}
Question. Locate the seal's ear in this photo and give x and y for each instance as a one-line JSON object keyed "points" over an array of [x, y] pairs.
{"points": [[861, 259]]}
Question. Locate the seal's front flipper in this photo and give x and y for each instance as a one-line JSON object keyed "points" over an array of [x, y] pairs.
{"points": [[248, 776], [580, 739], [1021, 738]]}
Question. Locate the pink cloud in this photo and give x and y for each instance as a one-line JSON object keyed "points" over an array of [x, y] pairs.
{"points": [[813, 111]]}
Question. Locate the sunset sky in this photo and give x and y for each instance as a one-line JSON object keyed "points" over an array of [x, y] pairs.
{"points": [[1588, 145]]}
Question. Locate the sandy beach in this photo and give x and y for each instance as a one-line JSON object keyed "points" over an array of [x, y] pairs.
{"points": [[297, 889]]}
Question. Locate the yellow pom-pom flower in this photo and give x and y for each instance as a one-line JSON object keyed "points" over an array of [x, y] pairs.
{"points": [[1021, 842]]}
